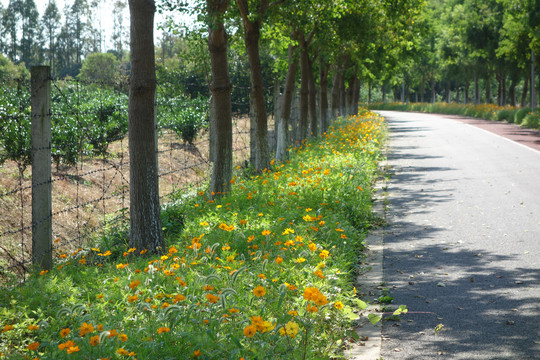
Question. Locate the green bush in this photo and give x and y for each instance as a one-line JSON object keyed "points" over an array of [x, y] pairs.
{"points": [[520, 114], [186, 117], [506, 115], [531, 121]]}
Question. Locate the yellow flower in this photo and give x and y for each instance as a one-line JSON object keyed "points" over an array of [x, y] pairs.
{"points": [[338, 305], [259, 291], [122, 351], [287, 231], [250, 330], [33, 346], [161, 330], [312, 246], [85, 329], [293, 313], [291, 329], [73, 349], [94, 340], [226, 227], [300, 260], [324, 254]]}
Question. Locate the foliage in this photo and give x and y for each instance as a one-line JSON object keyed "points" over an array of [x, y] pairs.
{"points": [[100, 68], [484, 111], [262, 272], [186, 117]]}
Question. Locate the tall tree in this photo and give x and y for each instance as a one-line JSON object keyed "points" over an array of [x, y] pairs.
{"points": [[118, 27], [145, 211], [252, 22], [50, 24], [220, 86], [11, 21], [29, 33]]}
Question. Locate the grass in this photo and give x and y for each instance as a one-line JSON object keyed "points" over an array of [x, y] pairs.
{"points": [[264, 272], [523, 117]]}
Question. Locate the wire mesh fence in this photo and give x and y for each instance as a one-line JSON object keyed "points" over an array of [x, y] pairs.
{"points": [[90, 161]]}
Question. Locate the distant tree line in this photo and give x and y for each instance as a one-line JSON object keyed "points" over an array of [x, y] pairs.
{"points": [[60, 38]]}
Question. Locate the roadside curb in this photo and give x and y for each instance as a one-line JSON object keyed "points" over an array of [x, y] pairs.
{"points": [[368, 284]]}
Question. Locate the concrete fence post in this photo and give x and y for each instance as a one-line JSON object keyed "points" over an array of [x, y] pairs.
{"points": [[41, 167]]}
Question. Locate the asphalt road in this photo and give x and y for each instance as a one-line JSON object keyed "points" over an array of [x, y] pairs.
{"points": [[463, 244]]}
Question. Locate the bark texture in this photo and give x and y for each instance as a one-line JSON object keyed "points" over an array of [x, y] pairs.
{"points": [[145, 211], [220, 86], [282, 135]]}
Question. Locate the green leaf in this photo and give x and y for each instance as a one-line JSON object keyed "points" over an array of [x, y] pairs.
{"points": [[401, 310], [374, 318]]}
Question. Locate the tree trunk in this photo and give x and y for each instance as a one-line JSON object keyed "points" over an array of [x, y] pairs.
{"points": [[503, 95], [356, 95], [432, 83], [220, 87], [312, 100], [145, 211], [342, 94], [383, 90], [466, 90], [448, 91], [304, 90], [324, 67], [422, 88], [282, 136], [335, 95], [512, 93], [369, 93], [525, 91], [488, 89], [262, 151], [476, 90]]}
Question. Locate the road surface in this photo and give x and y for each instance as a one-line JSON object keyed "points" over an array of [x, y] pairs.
{"points": [[463, 243]]}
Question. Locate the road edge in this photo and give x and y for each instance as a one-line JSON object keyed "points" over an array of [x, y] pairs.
{"points": [[369, 283]]}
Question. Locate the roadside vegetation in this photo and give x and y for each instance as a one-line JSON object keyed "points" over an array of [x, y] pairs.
{"points": [[265, 271], [520, 116]]}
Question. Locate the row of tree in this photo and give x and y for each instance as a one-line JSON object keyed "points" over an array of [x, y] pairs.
{"points": [[470, 45], [61, 39]]}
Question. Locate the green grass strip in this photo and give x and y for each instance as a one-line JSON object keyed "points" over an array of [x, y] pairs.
{"points": [[264, 272]]}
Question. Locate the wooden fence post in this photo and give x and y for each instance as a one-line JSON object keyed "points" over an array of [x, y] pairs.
{"points": [[41, 167]]}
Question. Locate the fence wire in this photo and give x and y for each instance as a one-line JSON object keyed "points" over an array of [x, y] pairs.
{"points": [[90, 161]]}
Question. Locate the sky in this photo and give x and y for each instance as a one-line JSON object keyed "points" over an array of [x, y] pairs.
{"points": [[104, 15]]}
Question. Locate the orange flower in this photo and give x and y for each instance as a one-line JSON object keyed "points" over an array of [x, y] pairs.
{"points": [[197, 353], [250, 331], [33, 327], [212, 298], [279, 260], [134, 284], [259, 291], [33, 346], [266, 232], [112, 333], [162, 330], [324, 254], [123, 337], [65, 332], [73, 349], [85, 329], [94, 340]]}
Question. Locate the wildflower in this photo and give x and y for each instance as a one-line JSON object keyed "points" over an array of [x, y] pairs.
{"points": [[197, 353], [234, 310], [85, 329], [162, 330], [204, 223], [112, 333], [99, 296], [259, 291], [338, 305], [266, 232], [242, 222], [291, 329], [33, 346], [143, 251], [122, 351], [178, 298], [134, 284], [172, 250], [65, 332], [94, 340], [43, 272], [250, 330], [123, 337], [33, 327], [82, 261], [287, 231], [121, 266], [99, 327], [226, 227], [293, 313], [324, 254], [66, 345], [300, 260], [312, 246], [208, 288], [212, 298], [165, 305], [312, 308], [319, 273], [182, 283], [73, 349], [279, 260]]}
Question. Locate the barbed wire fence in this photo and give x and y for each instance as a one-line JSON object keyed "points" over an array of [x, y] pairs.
{"points": [[89, 174]]}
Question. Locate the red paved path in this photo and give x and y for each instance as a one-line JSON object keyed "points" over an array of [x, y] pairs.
{"points": [[527, 137]]}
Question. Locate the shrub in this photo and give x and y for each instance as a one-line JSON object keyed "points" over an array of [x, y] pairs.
{"points": [[506, 115], [520, 114], [531, 121]]}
